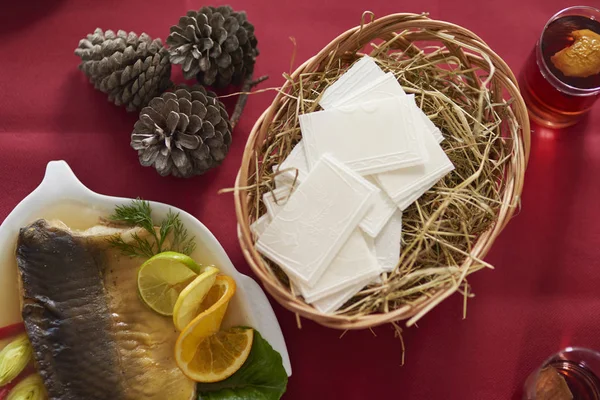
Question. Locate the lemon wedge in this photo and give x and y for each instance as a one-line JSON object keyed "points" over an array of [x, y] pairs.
{"points": [[582, 58], [190, 299], [194, 345]]}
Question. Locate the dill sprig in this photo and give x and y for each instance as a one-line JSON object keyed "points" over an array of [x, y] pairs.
{"points": [[181, 239], [139, 213]]}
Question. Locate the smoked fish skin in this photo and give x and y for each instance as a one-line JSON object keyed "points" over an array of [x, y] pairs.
{"points": [[66, 313]]}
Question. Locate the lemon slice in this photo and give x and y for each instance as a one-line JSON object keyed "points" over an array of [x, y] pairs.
{"points": [[163, 277], [220, 355], [190, 299], [208, 322], [582, 58]]}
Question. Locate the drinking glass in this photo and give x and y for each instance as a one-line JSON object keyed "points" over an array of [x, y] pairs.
{"points": [[574, 370], [554, 99]]}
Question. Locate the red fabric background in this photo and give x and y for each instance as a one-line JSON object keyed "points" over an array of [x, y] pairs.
{"points": [[543, 295]]}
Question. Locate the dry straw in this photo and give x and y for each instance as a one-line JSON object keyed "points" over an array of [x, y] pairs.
{"points": [[472, 96]]}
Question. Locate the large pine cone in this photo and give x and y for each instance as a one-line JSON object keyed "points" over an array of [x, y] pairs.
{"points": [[131, 69], [217, 45], [182, 133]]}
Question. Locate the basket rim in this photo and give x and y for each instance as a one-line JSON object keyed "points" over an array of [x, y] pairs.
{"points": [[511, 195]]}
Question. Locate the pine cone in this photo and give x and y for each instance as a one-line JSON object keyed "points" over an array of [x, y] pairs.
{"points": [[182, 133], [131, 69], [217, 45]]}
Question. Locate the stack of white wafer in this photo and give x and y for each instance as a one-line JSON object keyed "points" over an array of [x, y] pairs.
{"points": [[334, 222]]}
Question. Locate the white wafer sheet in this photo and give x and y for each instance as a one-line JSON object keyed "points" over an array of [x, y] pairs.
{"points": [[338, 283], [383, 87], [260, 225], [275, 200], [369, 138], [361, 74], [317, 220], [379, 214], [336, 300], [354, 263], [281, 179], [386, 249], [387, 244], [406, 185], [415, 194], [372, 223], [295, 166]]}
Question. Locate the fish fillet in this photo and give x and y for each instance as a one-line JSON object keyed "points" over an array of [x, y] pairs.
{"points": [[92, 336]]}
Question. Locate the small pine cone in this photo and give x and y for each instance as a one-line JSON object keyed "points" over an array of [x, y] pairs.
{"points": [[215, 44], [182, 133], [131, 69]]}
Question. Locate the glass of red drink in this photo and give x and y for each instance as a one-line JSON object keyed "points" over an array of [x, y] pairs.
{"points": [[570, 374], [559, 81]]}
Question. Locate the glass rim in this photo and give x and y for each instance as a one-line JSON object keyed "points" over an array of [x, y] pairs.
{"points": [[533, 377], [582, 91], [572, 349], [569, 349]]}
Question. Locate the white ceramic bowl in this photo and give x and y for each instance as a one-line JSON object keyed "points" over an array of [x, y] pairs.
{"points": [[62, 196]]}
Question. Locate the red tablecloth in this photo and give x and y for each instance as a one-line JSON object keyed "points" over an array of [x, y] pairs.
{"points": [[543, 295]]}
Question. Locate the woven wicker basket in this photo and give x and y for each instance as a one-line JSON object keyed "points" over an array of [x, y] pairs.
{"points": [[396, 31]]}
